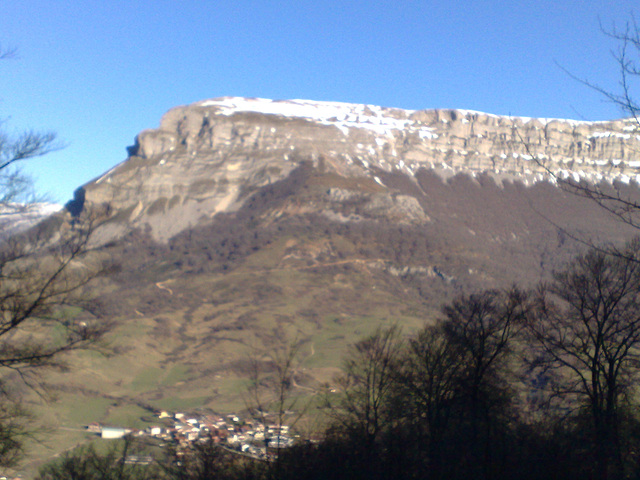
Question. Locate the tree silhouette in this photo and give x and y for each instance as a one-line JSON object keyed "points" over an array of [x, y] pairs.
{"points": [[587, 327]]}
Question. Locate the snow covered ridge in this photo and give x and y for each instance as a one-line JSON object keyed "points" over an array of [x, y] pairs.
{"points": [[450, 138], [542, 120], [15, 217], [380, 120], [369, 138], [29, 209]]}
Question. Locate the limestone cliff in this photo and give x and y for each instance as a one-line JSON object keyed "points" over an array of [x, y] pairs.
{"points": [[206, 156]]}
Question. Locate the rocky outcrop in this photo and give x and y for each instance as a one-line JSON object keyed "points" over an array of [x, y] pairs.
{"points": [[205, 158]]}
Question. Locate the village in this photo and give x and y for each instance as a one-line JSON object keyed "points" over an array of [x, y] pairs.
{"points": [[249, 437]]}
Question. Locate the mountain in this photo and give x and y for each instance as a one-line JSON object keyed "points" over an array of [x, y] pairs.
{"points": [[241, 226], [207, 157], [17, 217]]}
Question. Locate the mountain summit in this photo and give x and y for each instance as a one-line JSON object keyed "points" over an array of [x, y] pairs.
{"points": [[205, 157]]}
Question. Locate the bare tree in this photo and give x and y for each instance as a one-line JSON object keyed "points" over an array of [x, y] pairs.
{"points": [[365, 408], [271, 379], [44, 275], [272, 397], [622, 203], [483, 328], [44, 309], [15, 185], [587, 327], [429, 377], [456, 378]]}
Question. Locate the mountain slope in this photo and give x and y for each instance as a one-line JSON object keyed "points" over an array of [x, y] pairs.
{"points": [[243, 225], [258, 222]]}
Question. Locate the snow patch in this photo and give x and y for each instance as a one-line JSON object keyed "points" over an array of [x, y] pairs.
{"points": [[623, 136], [379, 120], [16, 217]]}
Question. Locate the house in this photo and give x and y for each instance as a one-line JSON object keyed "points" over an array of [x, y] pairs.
{"points": [[280, 441], [93, 428], [114, 432]]}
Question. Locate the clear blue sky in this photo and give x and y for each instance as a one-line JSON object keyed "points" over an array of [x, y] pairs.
{"points": [[100, 71]]}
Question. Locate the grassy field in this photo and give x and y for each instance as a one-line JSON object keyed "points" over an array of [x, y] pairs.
{"points": [[190, 356]]}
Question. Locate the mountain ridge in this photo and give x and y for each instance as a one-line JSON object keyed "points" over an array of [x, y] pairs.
{"points": [[206, 156]]}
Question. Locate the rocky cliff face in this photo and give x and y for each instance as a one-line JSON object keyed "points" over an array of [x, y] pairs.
{"points": [[206, 157]]}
